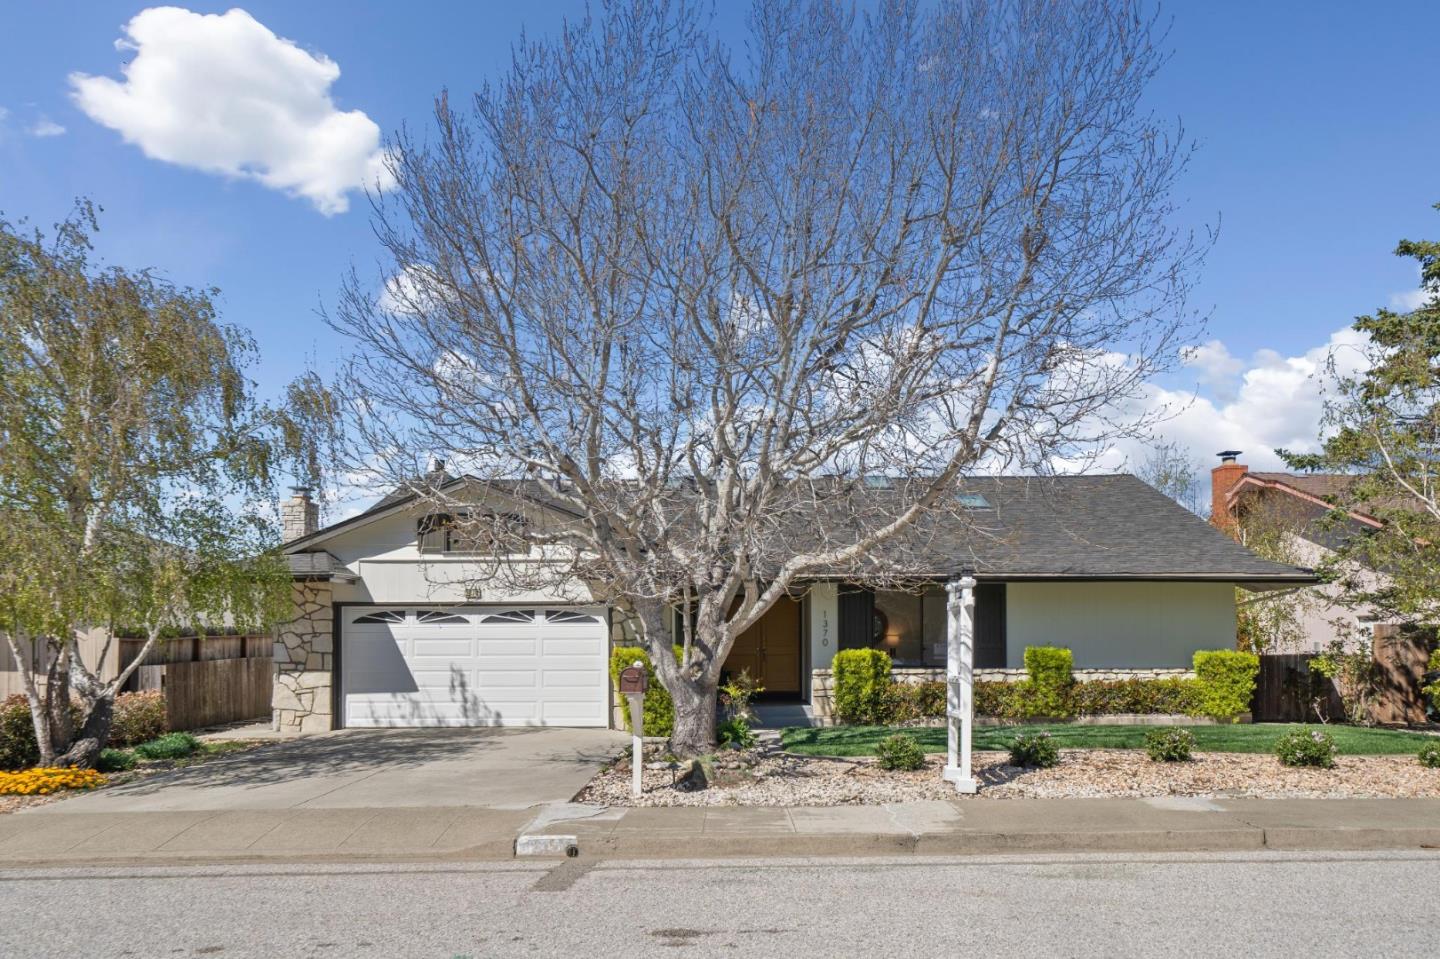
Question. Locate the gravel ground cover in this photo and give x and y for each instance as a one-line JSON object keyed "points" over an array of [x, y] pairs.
{"points": [[772, 778]]}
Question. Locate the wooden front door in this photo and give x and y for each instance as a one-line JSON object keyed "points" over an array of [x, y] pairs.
{"points": [[770, 650]]}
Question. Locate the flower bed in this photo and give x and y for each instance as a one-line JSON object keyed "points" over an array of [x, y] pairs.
{"points": [[44, 780]]}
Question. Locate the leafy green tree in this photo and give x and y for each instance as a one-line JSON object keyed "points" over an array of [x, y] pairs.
{"points": [[1383, 426], [136, 473]]}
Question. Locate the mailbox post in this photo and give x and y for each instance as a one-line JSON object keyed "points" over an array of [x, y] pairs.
{"points": [[633, 683]]}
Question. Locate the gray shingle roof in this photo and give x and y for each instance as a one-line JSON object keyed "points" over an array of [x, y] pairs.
{"points": [[1096, 527], [1064, 527]]}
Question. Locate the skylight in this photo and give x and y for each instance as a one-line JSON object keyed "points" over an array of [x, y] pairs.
{"points": [[973, 501]]}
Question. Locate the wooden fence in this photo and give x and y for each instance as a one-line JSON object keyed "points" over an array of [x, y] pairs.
{"points": [[210, 692], [1288, 691], [195, 649]]}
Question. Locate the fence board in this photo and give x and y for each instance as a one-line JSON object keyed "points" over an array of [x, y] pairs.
{"points": [[1284, 691], [211, 692]]}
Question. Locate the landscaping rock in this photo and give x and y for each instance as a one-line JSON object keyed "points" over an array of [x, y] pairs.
{"points": [[782, 779]]}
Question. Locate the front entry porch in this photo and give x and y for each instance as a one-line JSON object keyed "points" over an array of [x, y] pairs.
{"points": [[772, 651]]}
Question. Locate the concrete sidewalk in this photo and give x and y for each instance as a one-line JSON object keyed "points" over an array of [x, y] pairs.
{"points": [[959, 827]]}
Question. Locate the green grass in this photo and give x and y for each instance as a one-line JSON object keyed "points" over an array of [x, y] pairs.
{"points": [[1257, 738]]}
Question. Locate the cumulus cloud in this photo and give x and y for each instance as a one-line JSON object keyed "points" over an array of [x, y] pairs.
{"points": [[1273, 401], [223, 94], [1410, 300]]}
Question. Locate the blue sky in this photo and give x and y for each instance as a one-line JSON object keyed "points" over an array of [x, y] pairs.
{"points": [[1317, 142]]}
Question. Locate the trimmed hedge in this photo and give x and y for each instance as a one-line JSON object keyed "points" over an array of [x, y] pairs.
{"points": [[863, 688], [1225, 683], [871, 696], [659, 708]]}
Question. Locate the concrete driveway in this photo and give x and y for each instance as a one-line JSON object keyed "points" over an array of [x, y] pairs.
{"points": [[375, 768]]}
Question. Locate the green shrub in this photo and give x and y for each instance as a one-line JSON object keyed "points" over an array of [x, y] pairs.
{"points": [[1169, 745], [1430, 755], [1306, 747], [735, 733], [17, 735], [1433, 690], [863, 692], [1148, 697], [658, 708], [1034, 749], [168, 746], [1051, 672], [899, 752], [139, 717], [906, 702], [115, 760], [1225, 683]]}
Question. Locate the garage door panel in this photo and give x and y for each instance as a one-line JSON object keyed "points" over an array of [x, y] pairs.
{"points": [[494, 647], [497, 667], [571, 678], [493, 679], [586, 646], [445, 648]]}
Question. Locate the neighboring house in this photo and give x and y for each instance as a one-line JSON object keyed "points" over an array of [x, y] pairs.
{"points": [[1292, 507], [396, 626]]}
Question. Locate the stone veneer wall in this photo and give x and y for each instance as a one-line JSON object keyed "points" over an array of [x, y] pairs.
{"points": [[305, 663], [822, 681]]}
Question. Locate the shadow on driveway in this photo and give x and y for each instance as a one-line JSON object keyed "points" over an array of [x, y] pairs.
{"points": [[511, 768]]}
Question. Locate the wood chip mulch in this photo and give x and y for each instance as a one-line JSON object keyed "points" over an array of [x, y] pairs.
{"points": [[781, 779]]}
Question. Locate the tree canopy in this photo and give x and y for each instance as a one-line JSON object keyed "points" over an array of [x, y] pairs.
{"points": [[1383, 426], [136, 470]]}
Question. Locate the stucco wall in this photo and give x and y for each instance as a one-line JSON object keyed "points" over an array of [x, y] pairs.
{"points": [[1120, 624]]}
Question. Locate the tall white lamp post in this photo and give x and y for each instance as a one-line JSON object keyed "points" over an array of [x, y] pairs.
{"points": [[960, 681]]}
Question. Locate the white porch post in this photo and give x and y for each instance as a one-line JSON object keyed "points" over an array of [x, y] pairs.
{"points": [[960, 681]]}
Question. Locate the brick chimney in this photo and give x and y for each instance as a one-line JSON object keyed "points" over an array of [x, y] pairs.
{"points": [[299, 515], [1222, 480]]}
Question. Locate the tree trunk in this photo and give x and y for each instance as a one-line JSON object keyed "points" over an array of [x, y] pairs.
{"points": [[84, 748], [694, 733]]}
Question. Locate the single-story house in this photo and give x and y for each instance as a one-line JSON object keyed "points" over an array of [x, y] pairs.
{"points": [[392, 627]]}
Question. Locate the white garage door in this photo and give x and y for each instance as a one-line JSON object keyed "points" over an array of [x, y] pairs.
{"points": [[474, 666]]}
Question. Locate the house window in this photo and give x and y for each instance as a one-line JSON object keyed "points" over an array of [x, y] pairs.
{"points": [[568, 616], [381, 616], [440, 618], [511, 616], [459, 533]]}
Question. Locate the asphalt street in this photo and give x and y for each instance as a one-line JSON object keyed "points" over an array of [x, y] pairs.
{"points": [[1254, 905]]}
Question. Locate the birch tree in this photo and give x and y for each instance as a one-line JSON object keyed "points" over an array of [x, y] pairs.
{"points": [[135, 470], [691, 295]]}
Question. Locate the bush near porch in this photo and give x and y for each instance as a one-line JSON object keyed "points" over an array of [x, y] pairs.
{"points": [[865, 693], [659, 708]]}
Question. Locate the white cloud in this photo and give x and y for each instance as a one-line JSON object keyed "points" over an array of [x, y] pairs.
{"points": [[45, 127], [1215, 367], [1276, 402], [223, 94], [1410, 300]]}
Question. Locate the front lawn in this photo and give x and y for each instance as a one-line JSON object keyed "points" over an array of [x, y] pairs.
{"points": [[1257, 738]]}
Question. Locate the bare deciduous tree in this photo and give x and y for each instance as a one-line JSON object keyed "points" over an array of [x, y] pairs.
{"points": [[693, 298]]}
